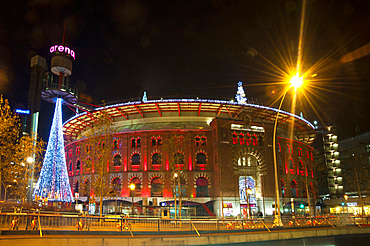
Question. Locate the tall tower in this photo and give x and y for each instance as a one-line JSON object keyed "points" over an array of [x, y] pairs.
{"points": [[53, 182], [38, 68]]}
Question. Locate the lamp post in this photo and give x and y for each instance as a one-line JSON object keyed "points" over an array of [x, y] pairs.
{"points": [[132, 188], [5, 192], [249, 191], [295, 82], [30, 167], [175, 175], [346, 197]]}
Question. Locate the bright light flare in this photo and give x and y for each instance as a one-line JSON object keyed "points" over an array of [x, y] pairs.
{"points": [[296, 81]]}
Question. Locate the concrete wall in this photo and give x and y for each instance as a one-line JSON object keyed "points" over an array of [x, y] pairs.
{"points": [[82, 240]]}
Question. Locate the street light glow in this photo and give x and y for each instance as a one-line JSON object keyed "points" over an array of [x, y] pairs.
{"points": [[296, 81], [132, 186]]}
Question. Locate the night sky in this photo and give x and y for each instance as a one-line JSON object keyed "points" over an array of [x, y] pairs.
{"points": [[189, 49]]}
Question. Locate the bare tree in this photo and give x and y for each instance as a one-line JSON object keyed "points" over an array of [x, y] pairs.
{"points": [[97, 154]]}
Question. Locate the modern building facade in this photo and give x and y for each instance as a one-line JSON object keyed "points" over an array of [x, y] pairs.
{"points": [[216, 155], [355, 159]]}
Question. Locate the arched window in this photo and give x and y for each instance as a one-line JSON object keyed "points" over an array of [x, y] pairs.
{"points": [[300, 168], [78, 165], [116, 185], [157, 187], [137, 191], [86, 190], [235, 138], [201, 158], [135, 160], [293, 185], [154, 141], [70, 166], [291, 166], [156, 159], [241, 138], [87, 165], [179, 158], [197, 141], [254, 140], [138, 142], [117, 161], [77, 186], [248, 139], [116, 144], [202, 187], [159, 141], [203, 141], [308, 169], [282, 184], [133, 143]]}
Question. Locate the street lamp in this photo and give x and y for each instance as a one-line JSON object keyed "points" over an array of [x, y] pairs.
{"points": [[175, 175], [132, 188], [346, 197], [249, 191], [30, 162], [295, 82], [5, 192]]}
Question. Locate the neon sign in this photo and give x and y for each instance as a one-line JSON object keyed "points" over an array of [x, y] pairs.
{"points": [[22, 111], [61, 49]]}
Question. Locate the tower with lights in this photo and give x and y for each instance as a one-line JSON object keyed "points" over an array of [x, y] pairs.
{"points": [[53, 182]]}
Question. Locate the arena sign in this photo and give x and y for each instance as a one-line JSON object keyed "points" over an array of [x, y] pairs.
{"points": [[61, 49]]}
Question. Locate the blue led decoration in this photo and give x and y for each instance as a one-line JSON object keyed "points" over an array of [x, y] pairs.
{"points": [[145, 98], [240, 94], [53, 182]]}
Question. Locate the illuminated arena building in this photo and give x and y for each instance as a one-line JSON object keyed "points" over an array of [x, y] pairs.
{"points": [[216, 150]]}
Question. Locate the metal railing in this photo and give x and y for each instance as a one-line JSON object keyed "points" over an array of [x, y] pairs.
{"points": [[35, 221]]}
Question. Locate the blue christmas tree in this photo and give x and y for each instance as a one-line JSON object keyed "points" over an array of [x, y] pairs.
{"points": [[53, 182]]}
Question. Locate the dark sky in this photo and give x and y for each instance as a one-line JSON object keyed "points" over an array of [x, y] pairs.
{"points": [[195, 49]]}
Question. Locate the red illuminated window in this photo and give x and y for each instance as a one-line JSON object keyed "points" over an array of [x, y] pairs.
{"points": [[282, 184], [116, 143], [235, 138], [203, 141], [156, 141], [197, 141], [254, 140], [135, 142], [117, 161], [241, 139], [248, 139]]}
